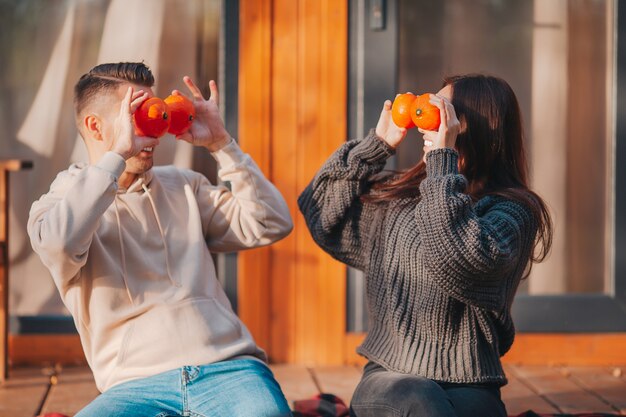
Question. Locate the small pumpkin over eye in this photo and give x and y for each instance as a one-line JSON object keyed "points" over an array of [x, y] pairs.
{"points": [[409, 111], [182, 113], [425, 115], [152, 118]]}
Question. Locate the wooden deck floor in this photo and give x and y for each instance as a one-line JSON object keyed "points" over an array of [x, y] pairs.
{"points": [[540, 388]]}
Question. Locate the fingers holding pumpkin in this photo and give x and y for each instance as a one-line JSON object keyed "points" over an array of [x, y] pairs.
{"points": [[438, 101], [386, 129], [450, 125], [125, 104], [386, 110], [383, 120], [137, 98]]}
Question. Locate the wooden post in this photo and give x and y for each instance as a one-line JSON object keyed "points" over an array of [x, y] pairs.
{"points": [[292, 115], [6, 166]]}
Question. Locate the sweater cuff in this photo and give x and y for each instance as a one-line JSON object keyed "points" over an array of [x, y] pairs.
{"points": [[442, 161], [372, 149], [113, 163], [229, 155]]}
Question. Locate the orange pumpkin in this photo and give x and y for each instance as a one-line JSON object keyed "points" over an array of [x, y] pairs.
{"points": [[425, 115], [182, 113], [152, 118], [401, 110]]}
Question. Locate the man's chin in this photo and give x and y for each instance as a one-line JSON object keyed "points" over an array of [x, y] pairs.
{"points": [[139, 164]]}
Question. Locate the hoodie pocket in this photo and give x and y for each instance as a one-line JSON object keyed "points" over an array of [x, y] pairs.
{"points": [[172, 333]]}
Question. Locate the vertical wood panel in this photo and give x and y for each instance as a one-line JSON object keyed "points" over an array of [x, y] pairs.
{"points": [[309, 336], [334, 80], [284, 154], [293, 64], [254, 266]]}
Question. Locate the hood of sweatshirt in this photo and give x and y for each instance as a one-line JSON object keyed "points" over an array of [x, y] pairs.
{"points": [[141, 184]]}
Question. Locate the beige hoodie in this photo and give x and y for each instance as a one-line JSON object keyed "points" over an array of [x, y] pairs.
{"points": [[134, 266]]}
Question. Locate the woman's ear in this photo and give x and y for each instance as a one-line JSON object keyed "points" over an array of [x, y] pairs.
{"points": [[463, 123], [93, 126]]}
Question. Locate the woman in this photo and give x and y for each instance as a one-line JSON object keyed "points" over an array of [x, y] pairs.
{"points": [[443, 245]]}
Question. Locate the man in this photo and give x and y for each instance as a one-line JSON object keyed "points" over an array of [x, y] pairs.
{"points": [[128, 246]]}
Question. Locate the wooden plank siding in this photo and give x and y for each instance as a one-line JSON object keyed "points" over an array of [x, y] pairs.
{"points": [[293, 65], [45, 350], [254, 267]]}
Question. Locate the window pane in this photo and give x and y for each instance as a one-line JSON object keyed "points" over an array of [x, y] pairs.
{"points": [[44, 47], [558, 57]]}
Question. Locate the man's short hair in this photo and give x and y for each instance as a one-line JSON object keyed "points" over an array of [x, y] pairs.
{"points": [[106, 77]]}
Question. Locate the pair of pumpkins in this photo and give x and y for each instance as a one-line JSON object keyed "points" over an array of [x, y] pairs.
{"points": [[409, 110], [156, 117]]}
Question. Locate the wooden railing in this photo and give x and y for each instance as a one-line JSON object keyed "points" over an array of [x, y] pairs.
{"points": [[6, 166]]}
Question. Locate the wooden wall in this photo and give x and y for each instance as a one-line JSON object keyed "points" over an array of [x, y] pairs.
{"points": [[292, 116]]}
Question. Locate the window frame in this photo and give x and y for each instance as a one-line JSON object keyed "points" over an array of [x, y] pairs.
{"points": [[377, 68]]}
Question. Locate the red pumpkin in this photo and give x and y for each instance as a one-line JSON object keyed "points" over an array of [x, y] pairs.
{"points": [[425, 115], [152, 118], [182, 113], [401, 110]]}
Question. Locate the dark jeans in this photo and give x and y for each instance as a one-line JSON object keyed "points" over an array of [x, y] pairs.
{"points": [[383, 393]]}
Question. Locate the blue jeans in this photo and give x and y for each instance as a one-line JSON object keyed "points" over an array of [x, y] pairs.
{"points": [[383, 393], [235, 388]]}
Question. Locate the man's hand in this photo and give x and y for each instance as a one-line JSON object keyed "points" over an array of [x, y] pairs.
{"points": [[124, 141], [207, 128]]}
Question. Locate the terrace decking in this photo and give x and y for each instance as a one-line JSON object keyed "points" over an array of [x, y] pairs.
{"points": [[545, 389]]}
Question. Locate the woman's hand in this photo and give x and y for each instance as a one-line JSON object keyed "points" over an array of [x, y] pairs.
{"points": [[449, 128], [207, 128], [387, 130]]}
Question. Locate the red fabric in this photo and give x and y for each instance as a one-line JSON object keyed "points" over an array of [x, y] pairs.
{"points": [[322, 405], [52, 415], [531, 413]]}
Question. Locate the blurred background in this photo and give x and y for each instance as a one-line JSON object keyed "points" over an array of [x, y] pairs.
{"points": [[300, 77], [45, 47]]}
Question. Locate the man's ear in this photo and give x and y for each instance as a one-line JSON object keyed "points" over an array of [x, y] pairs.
{"points": [[93, 126]]}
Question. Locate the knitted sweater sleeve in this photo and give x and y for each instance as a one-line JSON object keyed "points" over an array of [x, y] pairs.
{"points": [[470, 255], [337, 219]]}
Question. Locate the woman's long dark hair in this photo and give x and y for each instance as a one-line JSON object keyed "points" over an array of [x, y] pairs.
{"points": [[491, 153]]}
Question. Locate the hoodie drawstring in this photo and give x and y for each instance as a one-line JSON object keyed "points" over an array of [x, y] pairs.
{"points": [[123, 252], [156, 216]]}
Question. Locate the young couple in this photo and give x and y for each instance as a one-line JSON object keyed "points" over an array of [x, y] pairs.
{"points": [[443, 245]]}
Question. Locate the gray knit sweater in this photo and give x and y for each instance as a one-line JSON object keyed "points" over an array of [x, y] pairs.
{"points": [[441, 270]]}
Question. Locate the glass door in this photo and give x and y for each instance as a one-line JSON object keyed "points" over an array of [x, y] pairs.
{"points": [[562, 59]]}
